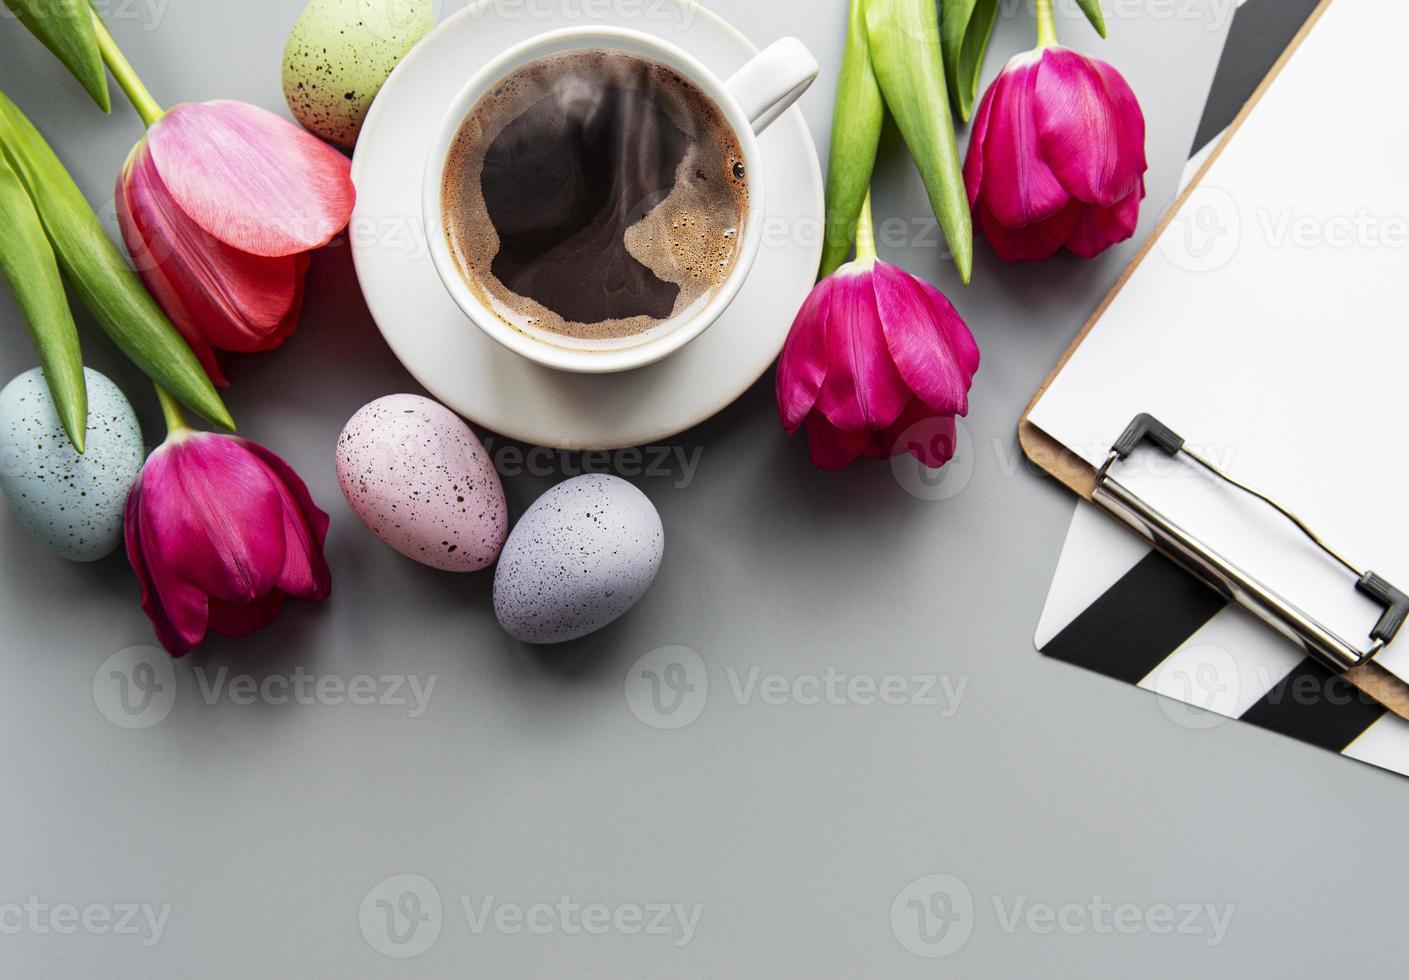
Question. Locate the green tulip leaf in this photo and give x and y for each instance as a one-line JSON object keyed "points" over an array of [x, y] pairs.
{"points": [[65, 27], [966, 27], [101, 276], [1092, 10], [28, 263], [856, 136], [909, 65]]}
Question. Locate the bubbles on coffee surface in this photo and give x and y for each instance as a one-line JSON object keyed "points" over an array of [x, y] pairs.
{"points": [[596, 195]]}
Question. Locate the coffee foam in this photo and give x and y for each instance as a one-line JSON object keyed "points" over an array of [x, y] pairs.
{"points": [[691, 239]]}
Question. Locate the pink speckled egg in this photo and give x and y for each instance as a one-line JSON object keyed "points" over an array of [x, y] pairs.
{"points": [[416, 475]]}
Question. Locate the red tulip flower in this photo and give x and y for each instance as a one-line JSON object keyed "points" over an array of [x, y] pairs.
{"points": [[873, 353], [220, 532], [1057, 157], [219, 206]]}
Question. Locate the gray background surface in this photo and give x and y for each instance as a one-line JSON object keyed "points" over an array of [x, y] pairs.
{"points": [[529, 776]]}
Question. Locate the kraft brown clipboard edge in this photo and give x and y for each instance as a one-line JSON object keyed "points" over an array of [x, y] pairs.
{"points": [[1079, 476]]}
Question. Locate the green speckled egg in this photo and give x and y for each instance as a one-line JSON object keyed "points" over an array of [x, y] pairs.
{"points": [[73, 503], [339, 54]]}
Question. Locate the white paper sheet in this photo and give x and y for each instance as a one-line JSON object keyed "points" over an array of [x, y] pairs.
{"points": [[1268, 327]]}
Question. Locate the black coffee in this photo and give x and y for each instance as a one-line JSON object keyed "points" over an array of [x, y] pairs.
{"points": [[595, 195]]}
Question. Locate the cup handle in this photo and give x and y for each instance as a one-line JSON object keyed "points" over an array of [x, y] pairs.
{"points": [[768, 85]]}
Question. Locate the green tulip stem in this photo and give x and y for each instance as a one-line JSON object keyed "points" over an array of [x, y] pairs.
{"points": [[1046, 24], [171, 412], [126, 76], [866, 234]]}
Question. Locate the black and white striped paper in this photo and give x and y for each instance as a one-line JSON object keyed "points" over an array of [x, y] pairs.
{"points": [[1122, 610]]}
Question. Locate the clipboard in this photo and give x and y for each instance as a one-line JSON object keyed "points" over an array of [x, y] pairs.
{"points": [[1095, 483]]}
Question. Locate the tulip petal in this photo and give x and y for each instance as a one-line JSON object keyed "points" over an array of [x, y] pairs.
{"points": [[216, 295], [1099, 228], [1031, 243], [1090, 127], [930, 438], [163, 291], [928, 341], [219, 527], [221, 531], [1019, 188], [833, 448], [305, 573], [862, 389], [973, 162], [802, 367], [252, 179], [241, 619], [180, 628]]}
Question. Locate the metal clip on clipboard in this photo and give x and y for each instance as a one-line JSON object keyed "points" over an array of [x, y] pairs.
{"points": [[1305, 631]]}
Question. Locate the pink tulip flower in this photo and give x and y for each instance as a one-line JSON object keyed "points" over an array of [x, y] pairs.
{"points": [[874, 353], [219, 206], [1057, 157], [220, 532]]}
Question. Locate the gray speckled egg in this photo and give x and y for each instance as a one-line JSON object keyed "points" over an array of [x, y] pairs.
{"points": [[418, 477], [583, 555], [73, 503], [338, 55]]}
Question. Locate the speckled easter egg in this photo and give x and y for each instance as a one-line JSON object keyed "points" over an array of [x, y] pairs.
{"points": [[73, 503], [416, 475], [583, 555], [338, 55]]}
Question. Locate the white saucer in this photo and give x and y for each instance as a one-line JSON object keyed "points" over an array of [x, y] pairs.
{"points": [[498, 390]]}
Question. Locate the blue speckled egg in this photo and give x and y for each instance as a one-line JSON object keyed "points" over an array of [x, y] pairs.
{"points": [[583, 555], [73, 503]]}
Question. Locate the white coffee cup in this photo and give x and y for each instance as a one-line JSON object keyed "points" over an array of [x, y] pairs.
{"points": [[751, 100]]}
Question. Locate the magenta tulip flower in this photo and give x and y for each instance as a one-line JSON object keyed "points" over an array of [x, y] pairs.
{"points": [[1057, 157], [219, 206], [874, 353], [220, 532]]}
